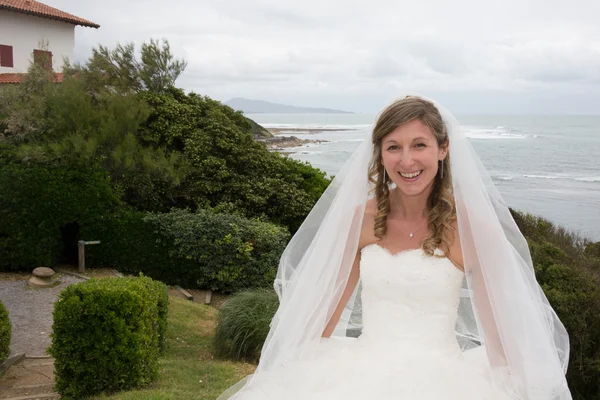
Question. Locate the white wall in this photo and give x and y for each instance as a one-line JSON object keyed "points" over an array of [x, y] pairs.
{"points": [[25, 32]]}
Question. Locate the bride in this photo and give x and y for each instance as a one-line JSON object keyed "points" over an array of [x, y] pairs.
{"points": [[409, 279]]}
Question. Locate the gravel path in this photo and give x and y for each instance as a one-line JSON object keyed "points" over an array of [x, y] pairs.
{"points": [[30, 312]]}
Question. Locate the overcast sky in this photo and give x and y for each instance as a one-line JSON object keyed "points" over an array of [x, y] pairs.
{"points": [[474, 56]]}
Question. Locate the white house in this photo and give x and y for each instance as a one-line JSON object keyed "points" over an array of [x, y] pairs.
{"points": [[25, 25]]}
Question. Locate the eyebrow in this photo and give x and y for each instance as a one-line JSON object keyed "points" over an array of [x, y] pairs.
{"points": [[415, 139]]}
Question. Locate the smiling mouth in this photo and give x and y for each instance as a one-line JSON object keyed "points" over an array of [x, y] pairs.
{"points": [[411, 175]]}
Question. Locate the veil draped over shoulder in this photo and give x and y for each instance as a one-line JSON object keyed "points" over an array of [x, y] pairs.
{"points": [[504, 317]]}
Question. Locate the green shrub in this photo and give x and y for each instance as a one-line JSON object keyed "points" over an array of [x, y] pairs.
{"points": [[161, 147], [568, 271], [107, 334], [5, 333], [593, 250], [225, 167], [36, 201], [158, 291], [204, 250], [243, 324]]}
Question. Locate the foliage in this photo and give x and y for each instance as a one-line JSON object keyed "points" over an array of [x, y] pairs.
{"points": [[569, 274], [205, 250], [225, 167], [120, 71], [51, 124], [243, 324], [38, 201], [5, 332], [162, 148], [257, 130], [592, 250], [107, 334], [188, 369]]}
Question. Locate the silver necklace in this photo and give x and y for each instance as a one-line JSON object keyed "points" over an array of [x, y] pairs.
{"points": [[410, 234]]}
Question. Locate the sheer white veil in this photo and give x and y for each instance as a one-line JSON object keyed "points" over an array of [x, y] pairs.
{"points": [[504, 316]]}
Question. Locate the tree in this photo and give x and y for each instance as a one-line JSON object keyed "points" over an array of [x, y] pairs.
{"points": [[77, 122], [225, 167], [119, 70], [162, 148]]}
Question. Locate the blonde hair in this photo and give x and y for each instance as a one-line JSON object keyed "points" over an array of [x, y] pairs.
{"points": [[440, 204]]}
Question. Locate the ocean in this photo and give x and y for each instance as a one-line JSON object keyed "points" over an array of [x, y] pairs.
{"points": [[544, 165]]}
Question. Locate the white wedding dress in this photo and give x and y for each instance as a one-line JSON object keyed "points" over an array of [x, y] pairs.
{"points": [[407, 349]]}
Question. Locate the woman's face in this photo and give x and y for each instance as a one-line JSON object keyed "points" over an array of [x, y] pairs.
{"points": [[411, 156]]}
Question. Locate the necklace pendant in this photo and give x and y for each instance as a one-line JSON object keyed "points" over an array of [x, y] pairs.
{"points": [[411, 234]]}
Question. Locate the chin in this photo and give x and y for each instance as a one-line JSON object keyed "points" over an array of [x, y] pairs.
{"points": [[414, 189]]}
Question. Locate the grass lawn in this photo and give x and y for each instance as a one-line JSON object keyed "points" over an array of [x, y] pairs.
{"points": [[188, 369]]}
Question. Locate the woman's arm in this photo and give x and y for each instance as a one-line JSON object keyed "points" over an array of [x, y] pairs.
{"points": [[366, 237], [352, 281]]}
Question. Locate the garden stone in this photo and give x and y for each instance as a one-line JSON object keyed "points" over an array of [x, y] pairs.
{"points": [[42, 277]]}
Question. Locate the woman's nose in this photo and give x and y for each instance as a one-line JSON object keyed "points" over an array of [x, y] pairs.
{"points": [[407, 159]]}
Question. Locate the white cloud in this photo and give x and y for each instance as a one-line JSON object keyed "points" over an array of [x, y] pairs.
{"points": [[356, 54]]}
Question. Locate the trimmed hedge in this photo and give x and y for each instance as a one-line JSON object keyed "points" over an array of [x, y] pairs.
{"points": [[221, 252], [243, 324], [107, 334], [5, 332], [36, 201]]}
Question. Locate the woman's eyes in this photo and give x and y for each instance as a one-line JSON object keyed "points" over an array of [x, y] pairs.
{"points": [[417, 145]]}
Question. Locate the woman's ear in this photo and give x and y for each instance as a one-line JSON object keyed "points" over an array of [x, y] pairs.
{"points": [[443, 152]]}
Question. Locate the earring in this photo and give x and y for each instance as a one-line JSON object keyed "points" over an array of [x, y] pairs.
{"points": [[384, 177], [442, 170]]}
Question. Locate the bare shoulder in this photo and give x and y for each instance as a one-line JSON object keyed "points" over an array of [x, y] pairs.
{"points": [[371, 207], [367, 234], [454, 251]]}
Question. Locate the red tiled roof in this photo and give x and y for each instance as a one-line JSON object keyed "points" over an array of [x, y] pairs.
{"points": [[9, 78], [33, 7]]}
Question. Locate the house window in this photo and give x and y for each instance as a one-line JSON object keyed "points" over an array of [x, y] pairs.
{"points": [[43, 58], [6, 56]]}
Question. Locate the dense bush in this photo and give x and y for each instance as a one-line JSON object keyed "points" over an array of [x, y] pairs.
{"points": [[37, 201], [5, 333], [226, 167], [107, 334], [569, 273], [592, 250], [51, 123], [160, 147], [204, 250], [158, 292], [243, 324]]}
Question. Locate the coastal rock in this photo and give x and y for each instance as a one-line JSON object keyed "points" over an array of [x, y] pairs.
{"points": [[282, 142]]}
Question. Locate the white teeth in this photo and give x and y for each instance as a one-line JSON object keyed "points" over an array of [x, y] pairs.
{"points": [[413, 175]]}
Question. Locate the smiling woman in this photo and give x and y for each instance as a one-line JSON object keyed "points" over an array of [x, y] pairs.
{"points": [[410, 148], [411, 153], [431, 273]]}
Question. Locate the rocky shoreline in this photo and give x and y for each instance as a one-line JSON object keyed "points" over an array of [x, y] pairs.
{"points": [[279, 142], [283, 142]]}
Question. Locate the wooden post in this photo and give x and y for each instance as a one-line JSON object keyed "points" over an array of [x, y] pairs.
{"points": [[81, 248]]}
